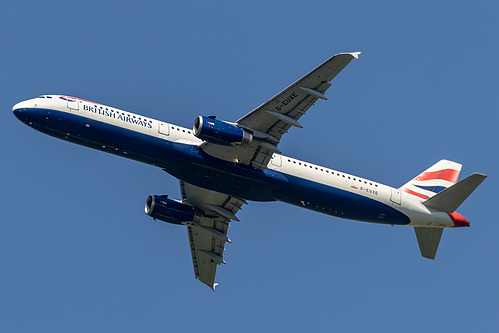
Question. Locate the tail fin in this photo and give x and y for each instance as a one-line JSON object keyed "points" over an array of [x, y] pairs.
{"points": [[451, 198], [437, 178], [438, 187]]}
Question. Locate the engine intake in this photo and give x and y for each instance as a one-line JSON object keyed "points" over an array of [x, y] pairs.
{"points": [[171, 211], [220, 132]]}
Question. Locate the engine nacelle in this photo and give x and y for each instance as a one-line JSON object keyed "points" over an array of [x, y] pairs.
{"points": [[171, 211], [219, 132]]}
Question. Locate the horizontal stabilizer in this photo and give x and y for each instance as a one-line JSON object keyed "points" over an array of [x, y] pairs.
{"points": [[428, 240], [451, 198]]}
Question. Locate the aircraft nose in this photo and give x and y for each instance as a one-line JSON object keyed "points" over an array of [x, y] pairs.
{"points": [[459, 220], [21, 107], [26, 111], [17, 109]]}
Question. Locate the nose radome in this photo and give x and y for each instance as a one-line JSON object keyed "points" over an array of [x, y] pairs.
{"points": [[19, 107], [16, 107], [23, 105], [22, 109]]}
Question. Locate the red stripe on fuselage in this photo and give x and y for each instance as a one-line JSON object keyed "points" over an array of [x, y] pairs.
{"points": [[419, 195], [88, 101], [450, 175], [83, 100]]}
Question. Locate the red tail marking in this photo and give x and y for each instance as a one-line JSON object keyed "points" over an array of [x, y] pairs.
{"points": [[450, 175], [419, 195]]}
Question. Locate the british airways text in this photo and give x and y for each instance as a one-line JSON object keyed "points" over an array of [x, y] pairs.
{"points": [[117, 115]]}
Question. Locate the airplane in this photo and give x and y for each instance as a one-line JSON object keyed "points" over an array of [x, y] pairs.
{"points": [[222, 165]]}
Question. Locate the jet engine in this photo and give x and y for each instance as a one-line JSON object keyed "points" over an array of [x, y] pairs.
{"points": [[220, 132], [159, 207]]}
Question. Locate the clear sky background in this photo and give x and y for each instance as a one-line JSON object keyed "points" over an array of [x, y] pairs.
{"points": [[77, 251]]}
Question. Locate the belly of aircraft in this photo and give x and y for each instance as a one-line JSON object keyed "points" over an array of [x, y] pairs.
{"points": [[191, 164]]}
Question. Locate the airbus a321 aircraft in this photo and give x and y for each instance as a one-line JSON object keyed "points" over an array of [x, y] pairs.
{"points": [[221, 165]]}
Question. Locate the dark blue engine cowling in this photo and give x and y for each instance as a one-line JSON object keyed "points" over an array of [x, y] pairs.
{"points": [[219, 132], [171, 211]]}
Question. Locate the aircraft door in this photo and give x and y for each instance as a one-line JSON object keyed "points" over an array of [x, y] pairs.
{"points": [[73, 103], [163, 128], [396, 196], [276, 160]]}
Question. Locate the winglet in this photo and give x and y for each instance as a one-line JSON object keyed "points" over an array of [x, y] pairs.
{"points": [[353, 54], [213, 286]]}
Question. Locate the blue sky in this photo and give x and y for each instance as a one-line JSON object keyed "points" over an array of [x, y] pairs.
{"points": [[79, 254]]}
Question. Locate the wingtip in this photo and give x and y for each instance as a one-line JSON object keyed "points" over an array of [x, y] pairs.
{"points": [[353, 54], [214, 286]]}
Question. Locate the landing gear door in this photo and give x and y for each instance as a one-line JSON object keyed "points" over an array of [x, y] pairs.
{"points": [[73, 103]]}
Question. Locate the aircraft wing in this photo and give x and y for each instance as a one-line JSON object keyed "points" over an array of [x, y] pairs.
{"points": [[207, 240], [272, 119]]}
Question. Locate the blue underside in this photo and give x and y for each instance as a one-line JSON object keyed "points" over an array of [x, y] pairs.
{"points": [[192, 165]]}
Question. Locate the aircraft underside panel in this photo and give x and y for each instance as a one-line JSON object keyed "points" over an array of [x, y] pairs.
{"points": [[337, 202]]}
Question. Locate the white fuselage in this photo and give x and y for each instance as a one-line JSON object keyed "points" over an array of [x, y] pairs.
{"points": [[291, 169]]}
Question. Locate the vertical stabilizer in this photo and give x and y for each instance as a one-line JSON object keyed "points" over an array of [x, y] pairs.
{"points": [[437, 178], [428, 240]]}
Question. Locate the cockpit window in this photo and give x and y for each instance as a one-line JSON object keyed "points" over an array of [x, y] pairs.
{"points": [[41, 96]]}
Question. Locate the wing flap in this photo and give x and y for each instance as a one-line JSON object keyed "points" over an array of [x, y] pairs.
{"points": [[204, 249], [207, 239]]}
